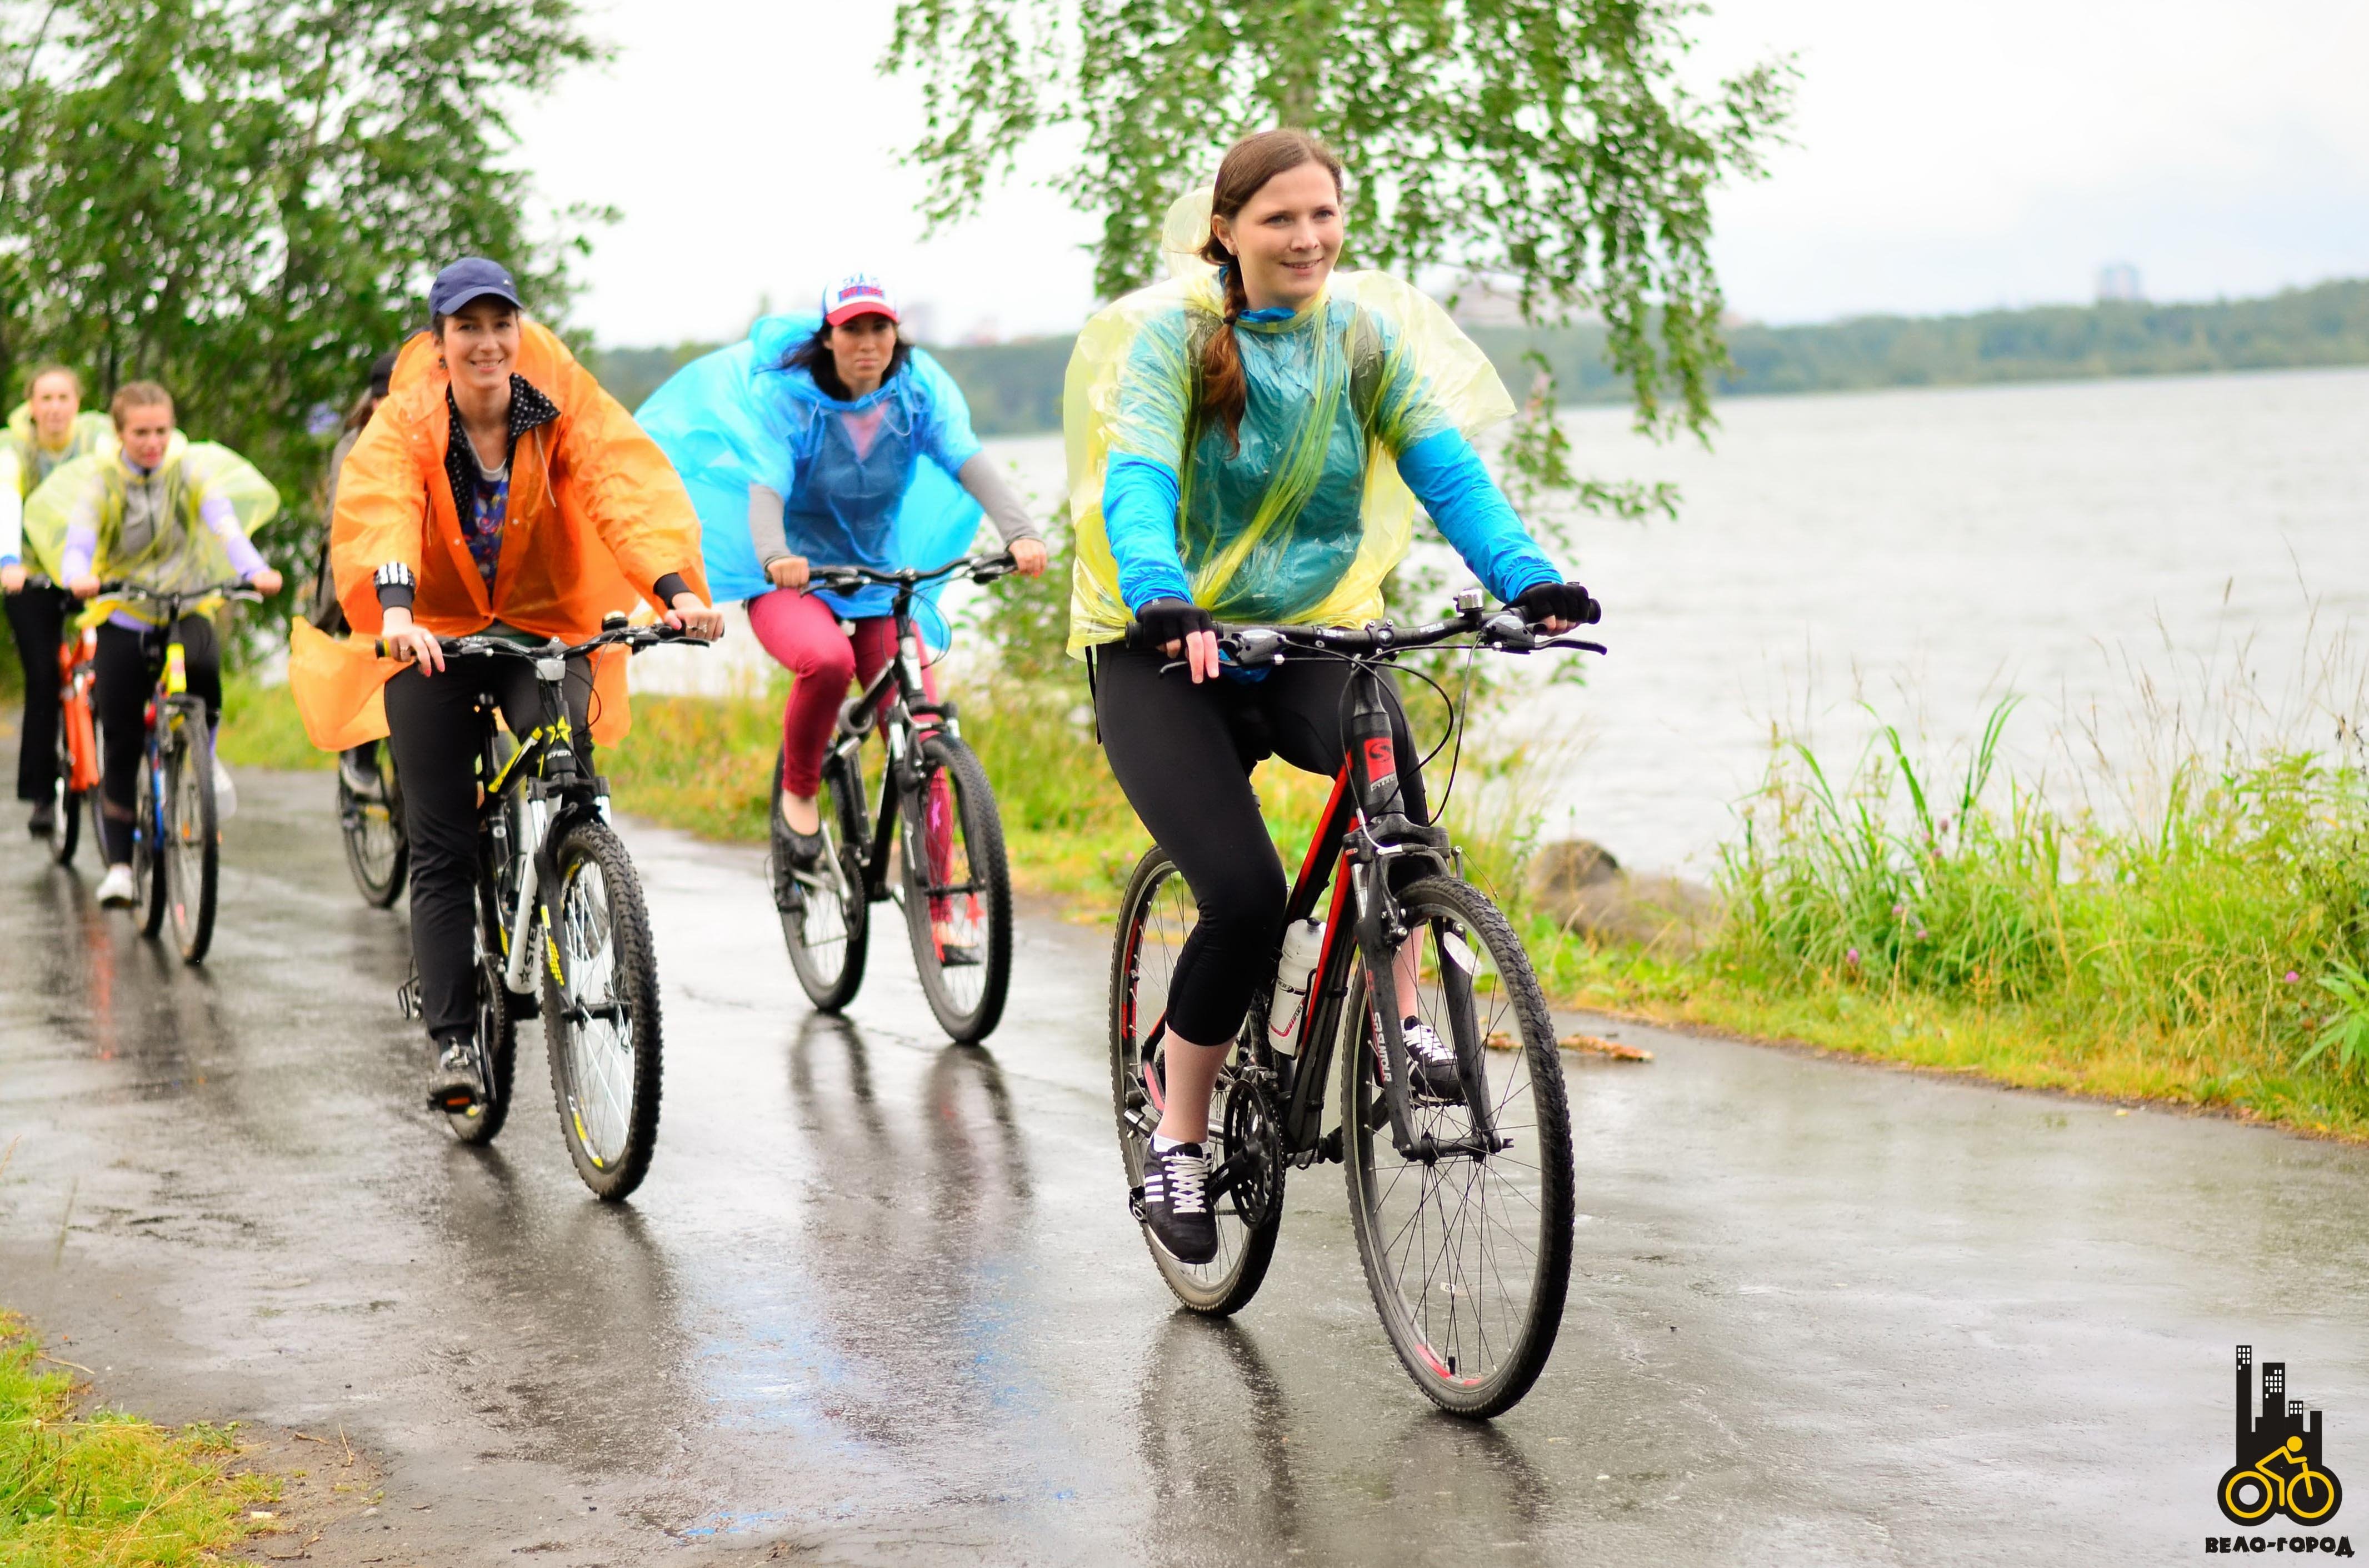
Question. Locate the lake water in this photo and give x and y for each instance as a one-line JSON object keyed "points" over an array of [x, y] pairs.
{"points": [[1931, 551]]}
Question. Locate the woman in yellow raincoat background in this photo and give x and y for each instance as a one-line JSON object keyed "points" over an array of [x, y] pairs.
{"points": [[1247, 441], [499, 490], [157, 511], [45, 430]]}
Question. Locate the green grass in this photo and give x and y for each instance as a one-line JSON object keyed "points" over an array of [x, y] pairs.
{"points": [[108, 1490], [2205, 946]]}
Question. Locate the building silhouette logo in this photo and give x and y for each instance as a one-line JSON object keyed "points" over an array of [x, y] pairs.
{"points": [[2278, 1469]]}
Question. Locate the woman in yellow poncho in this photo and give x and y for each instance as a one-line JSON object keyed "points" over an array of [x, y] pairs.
{"points": [[48, 429], [1248, 446], [169, 515]]}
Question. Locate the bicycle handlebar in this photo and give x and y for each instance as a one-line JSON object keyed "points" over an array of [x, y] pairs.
{"points": [[634, 637], [1502, 631], [847, 579], [238, 588]]}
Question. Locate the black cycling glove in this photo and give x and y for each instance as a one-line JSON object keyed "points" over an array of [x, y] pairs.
{"points": [[1166, 621], [1558, 602]]}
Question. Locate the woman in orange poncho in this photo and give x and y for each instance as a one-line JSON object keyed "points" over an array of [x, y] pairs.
{"points": [[498, 490]]}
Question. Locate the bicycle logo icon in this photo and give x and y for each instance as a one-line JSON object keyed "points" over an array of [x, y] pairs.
{"points": [[2288, 1477]]}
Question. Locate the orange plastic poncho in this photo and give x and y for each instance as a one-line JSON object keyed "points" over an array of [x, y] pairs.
{"points": [[597, 516]]}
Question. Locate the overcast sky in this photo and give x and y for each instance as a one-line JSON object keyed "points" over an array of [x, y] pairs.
{"points": [[1946, 158]]}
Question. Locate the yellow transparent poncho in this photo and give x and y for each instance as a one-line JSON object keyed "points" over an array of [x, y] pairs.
{"points": [[1302, 526], [178, 559]]}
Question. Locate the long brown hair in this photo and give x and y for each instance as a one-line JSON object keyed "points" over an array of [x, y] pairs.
{"points": [[1249, 164]]}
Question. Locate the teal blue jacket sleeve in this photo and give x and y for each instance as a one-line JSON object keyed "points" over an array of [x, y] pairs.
{"points": [[1446, 476], [1140, 496]]}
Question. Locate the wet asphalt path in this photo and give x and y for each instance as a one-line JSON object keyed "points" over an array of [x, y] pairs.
{"points": [[879, 1300]]}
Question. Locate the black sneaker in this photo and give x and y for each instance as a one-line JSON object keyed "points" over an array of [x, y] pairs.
{"points": [[44, 819], [456, 1084], [802, 851], [1176, 1207], [1431, 1062]]}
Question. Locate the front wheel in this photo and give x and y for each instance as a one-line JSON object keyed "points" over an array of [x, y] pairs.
{"points": [[957, 890], [1156, 915], [600, 1029], [150, 820], [1468, 1254], [192, 838]]}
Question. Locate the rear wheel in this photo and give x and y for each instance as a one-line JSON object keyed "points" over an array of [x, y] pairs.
{"points": [[191, 839], [66, 801], [825, 912], [371, 819], [1467, 1255], [601, 1031], [1155, 916], [497, 1035], [957, 890]]}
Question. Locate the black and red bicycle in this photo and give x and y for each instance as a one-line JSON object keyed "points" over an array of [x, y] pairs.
{"points": [[1462, 1209]]}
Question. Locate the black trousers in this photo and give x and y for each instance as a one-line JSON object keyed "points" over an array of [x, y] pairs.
{"points": [[1183, 754], [126, 664], [432, 726], [37, 616]]}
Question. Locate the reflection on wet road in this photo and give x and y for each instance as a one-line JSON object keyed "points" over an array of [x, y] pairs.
{"points": [[880, 1301]]}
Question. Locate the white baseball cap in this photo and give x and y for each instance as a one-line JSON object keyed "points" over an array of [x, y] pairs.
{"points": [[858, 294]]}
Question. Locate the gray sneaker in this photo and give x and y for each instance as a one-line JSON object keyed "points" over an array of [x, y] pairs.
{"points": [[456, 1084]]}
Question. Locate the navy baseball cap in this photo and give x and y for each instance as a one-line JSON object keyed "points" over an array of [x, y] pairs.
{"points": [[471, 278]]}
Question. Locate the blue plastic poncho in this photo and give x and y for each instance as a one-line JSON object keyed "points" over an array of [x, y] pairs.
{"points": [[737, 417]]}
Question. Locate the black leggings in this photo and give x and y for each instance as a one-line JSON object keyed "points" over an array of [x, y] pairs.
{"points": [[37, 615], [126, 665], [432, 725], [1184, 754]]}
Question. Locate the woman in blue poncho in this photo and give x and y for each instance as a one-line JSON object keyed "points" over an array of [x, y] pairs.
{"points": [[805, 447]]}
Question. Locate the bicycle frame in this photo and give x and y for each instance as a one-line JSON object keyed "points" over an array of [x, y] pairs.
{"points": [[169, 704], [77, 675], [897, 704]]}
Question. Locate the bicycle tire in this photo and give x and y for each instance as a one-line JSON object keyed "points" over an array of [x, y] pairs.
{"points": [[1155, 915], [497, 1036], [66, 801], [378, 852], [1464, 1361], [192, 840], [968, 999], [604, 933], [147, 859], [826, 914]]}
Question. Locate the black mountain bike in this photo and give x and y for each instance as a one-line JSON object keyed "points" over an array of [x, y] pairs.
{"points": [[935, 808], [1462, 1209], [176, 833], [370, 816], [557, 897]]}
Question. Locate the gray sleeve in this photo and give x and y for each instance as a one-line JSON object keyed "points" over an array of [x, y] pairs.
{"points": [[988, 488], [765, 526]]}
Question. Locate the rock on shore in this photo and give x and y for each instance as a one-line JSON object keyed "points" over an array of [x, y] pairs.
{"points": [[1580, 884]]}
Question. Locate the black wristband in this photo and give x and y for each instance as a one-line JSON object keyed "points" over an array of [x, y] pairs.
{"points": [[667, 587]]}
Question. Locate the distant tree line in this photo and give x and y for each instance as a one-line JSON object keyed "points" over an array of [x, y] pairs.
{"points": [[1015, 388]]}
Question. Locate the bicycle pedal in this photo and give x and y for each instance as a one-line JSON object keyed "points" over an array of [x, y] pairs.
{"points": [[406, 997]]}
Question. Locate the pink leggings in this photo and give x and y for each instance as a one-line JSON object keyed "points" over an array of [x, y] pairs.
{"points": [[802, 634]]}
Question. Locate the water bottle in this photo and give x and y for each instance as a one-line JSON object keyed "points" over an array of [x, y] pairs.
{"points": [[1302, 942]]}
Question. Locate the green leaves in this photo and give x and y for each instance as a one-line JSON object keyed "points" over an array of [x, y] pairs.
{"points": [[245, 198], [2344, 1033], [1549, 143]]}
